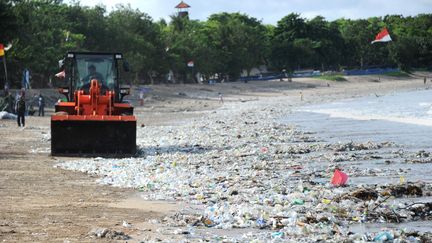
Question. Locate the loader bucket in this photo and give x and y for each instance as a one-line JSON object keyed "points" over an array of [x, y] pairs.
{"points": [[93, 137]]}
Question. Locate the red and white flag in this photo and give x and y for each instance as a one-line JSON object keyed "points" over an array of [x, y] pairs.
{"points": [[61, 74], [382, 36]]}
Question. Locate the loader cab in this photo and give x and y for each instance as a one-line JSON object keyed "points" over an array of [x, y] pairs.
{"points": [[82, 67], [101, 69]]}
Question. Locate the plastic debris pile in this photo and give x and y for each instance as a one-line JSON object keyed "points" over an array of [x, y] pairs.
{"points": [[251, 171]]}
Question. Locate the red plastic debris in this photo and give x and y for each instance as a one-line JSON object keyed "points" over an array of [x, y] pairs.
{"points": [[296, 167], [264, 150], [339, 178]]}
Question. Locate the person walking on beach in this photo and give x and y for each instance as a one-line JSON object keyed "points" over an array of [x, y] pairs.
{"points": [[284, 75], [20, 109], [25, 83], [221, 98], [41, 103], [141, 97], [9, 100]]}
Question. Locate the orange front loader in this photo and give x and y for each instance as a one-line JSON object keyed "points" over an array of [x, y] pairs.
{"points": [[94, 120]]}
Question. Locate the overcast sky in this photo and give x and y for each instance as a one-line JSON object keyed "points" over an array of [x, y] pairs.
{"points": [[270, 11]]}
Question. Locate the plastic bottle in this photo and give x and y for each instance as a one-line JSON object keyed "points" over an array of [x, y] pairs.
{"points": [[292, 218], [383, 236]]}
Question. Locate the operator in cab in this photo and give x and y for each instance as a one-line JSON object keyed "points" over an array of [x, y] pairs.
{"points": [[93, 74]]}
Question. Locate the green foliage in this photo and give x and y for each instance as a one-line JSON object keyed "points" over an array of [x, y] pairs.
{"points": [[298, 43], [242, 42], [332, 77], [398, 74], [8, 23], [225, 44], [134, 34]]}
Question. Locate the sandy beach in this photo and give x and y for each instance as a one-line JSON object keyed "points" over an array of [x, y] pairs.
{"points": [[230, 161]]}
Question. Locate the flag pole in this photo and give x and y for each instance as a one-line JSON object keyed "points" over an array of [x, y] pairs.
{"points": [[6, 85], [382, 36]]}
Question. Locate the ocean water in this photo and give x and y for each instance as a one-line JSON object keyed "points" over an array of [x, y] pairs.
{"points": [[404, 118], [414, 107]]}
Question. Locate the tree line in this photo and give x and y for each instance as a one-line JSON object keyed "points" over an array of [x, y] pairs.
{"points": [[224, 45]]}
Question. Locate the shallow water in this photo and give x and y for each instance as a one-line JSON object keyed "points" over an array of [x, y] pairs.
{"points": [[403, 118], [412, 107], [421, 226], [336, 129]]}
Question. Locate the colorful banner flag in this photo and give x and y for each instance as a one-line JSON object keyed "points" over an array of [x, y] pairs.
{"points": [[382, 36], [9, 46], [1, 50], [61, 74]]}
